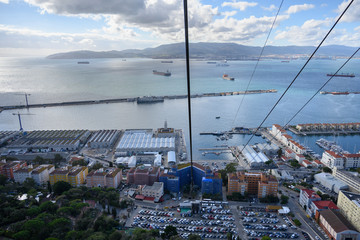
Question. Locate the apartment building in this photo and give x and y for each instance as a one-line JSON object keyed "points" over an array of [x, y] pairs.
{"points": [[73, 175], [254, 183], [104, 177], [8, 168], [349, 204], [349, 178], [143, 175]]}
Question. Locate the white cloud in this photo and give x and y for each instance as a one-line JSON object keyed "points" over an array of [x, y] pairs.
{"points": [[229, 14], [352, 14], [239, 5], [310, 33], [4, 1], [272, 7], [297, 8]]}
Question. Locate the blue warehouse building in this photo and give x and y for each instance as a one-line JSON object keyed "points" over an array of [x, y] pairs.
{"points": [[176, 178]]}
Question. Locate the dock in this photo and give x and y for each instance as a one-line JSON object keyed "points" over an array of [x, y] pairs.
{"points": [[132, 99]]}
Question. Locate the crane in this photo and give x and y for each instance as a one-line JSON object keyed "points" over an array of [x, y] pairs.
{"points": [[26, 98], [19, 116]]}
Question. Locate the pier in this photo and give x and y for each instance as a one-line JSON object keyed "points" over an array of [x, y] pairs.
{"points": [[132, 99]]}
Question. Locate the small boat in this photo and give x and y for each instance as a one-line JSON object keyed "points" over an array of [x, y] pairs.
{"points": [[217, 117], [285, 61], [211, 62], [226, 77]]}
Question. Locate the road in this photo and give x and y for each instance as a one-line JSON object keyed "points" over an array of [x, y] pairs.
{"points": [[307, 224]]}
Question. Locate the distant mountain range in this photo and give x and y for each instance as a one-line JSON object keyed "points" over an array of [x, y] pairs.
{"points": [[210, 51]]}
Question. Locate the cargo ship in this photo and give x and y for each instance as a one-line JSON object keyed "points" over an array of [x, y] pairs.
{"points": [[335, 93], [83, 62], [167, 73], [166, 61], [149, 99], [226, 77], [340, 75], [211, 62]]}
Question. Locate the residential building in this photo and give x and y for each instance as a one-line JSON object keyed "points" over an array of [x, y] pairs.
{"points": [[77, 175], [155, 191], [296, 147], [277, 131], [349, 204], [73, 175], [332, 159], [318, 206], [336, 226], [306, 163], [143, 175], [308, 196], [22, 174], [349, 178], [254, 183], [352, 160], [41, 173], [104, 177], [8, 168]]}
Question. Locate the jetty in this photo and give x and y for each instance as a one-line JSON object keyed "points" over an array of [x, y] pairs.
{"points": [[132, 99]]}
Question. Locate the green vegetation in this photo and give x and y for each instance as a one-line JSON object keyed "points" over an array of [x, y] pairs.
{"points": [[284, 199], [266, 238], [294, 164], [327, 170], [269, 199], [297, 222], [230, 168], [236, 196]]}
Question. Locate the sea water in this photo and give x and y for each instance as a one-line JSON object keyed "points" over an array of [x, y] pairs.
{"points": [[64, 80]]}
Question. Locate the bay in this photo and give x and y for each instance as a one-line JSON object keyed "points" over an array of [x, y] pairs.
{"points": [[65, 80]]}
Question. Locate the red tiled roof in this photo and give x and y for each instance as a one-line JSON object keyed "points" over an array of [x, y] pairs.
{"points": [[307, 162], [317, 161], [139, 197], [149, 198], [333, 154], [352, 155], [310, 193], [325, 205]]}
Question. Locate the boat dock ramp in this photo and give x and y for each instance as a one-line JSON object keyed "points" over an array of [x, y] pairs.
{"points": [[131, 99]]}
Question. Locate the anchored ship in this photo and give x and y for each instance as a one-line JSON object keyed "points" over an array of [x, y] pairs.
{"points": [[340, 75], [167, 73], [83, 62], [149, 99], [166, 61], [226, 77]]}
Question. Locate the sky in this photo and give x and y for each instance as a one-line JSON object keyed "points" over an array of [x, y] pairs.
{"points": [[42, 27]]}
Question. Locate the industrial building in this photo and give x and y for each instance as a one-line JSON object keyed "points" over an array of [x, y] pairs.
{"points": [[50, 141], [143, 140], [349, 204], [254, 159], [330, 182], [267, 149], [7, 135], [126, 161], [254, 183], [103, 139], [350, 178], [336, 226]]}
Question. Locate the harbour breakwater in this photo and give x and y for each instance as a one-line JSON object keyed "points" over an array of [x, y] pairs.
{"points": [[133, 99]]}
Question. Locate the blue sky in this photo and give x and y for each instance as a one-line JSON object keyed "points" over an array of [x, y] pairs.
{"points": [[40, 27]]}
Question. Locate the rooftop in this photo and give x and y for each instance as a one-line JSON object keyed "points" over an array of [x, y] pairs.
{"points": [[325, 205], [336, 220]]}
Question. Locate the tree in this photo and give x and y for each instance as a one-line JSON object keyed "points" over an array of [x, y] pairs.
{"points": [[230, 168], [327, 170], [28, 184], [34, 226], [194, 237], [80, 162], [22, 235], [284, 199], [169, 231], [60, 187], [279, 152], [297, 222], [116, 235], [96, 166], [3, 179], [266, 238], [48, 207], [113, 212]]}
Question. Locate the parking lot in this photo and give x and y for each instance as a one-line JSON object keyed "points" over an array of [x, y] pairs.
{"points": [[213, 222], [256, 223]]}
